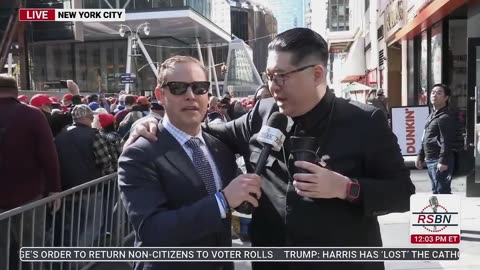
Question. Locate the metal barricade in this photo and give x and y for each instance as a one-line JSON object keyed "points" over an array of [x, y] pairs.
{"points": [[90, 215]]}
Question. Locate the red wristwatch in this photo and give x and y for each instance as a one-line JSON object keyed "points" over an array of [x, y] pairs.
{"points": [[353, 190]]}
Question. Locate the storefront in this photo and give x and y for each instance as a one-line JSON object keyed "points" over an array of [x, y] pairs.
{"points": [[442, 40]]}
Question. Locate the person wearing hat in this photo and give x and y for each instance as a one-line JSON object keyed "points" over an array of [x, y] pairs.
{"points": [[108, 133], [23, 99], [157, 110], [93, 105], [67, 99], [43, 102], [29, 167], [84, 156], [143, 105]]}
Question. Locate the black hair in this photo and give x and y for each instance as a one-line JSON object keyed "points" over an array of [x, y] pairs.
{"points": [[259, 89], [446, 89], [303, 43], [92, 98], [129, 100], [109, 128]]}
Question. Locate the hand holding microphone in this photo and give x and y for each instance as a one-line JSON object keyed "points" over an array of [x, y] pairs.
{"points": [[272, 136]]}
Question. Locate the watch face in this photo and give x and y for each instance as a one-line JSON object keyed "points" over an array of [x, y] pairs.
{"points": [[354, 191]]}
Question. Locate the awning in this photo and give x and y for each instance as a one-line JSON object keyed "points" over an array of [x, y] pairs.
{"points": [[353, 87], [431, 14], [182, 24], [354, 66], [351, 78]]}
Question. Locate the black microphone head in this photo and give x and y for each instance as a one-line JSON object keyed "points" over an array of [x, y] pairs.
{"points": [[279, 121]]}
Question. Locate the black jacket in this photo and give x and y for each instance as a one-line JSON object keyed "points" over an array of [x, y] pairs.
{"points": [[360, 145], [75, 153], [439, 136], [167, 202]]}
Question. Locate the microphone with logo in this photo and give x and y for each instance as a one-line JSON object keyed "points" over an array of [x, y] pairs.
{"points": [[272, 136]]}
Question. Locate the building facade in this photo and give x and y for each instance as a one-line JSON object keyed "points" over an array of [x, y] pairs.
{"points": [[341, 22], [256, 25], [289, 13], [439, 42], [95, 55]]}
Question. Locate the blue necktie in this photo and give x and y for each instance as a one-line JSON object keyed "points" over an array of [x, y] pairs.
{"points": [[202, 165]]}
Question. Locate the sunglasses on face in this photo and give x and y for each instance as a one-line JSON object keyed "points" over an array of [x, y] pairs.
{"points": [[180, 88]]}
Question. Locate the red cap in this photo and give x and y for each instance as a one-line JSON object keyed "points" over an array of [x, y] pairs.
{"points": [[39, 100], [54, 100], [142, 100], [67, 97], [106, 119], [22, 98]]}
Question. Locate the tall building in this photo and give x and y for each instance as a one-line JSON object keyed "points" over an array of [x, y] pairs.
{"points": [[289, 13], [318, 16], [341, 23], [308, 13], [256, 25], [95, 55]]}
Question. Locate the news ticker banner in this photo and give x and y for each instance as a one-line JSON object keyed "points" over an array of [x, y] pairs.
{"points": [[435, 219], [216, 254], [71, 15]]}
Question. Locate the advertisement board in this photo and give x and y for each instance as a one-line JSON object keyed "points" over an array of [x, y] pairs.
{"points": [[408, 124]]}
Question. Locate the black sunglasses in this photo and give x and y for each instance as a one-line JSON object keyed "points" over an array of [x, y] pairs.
{"points": [[180, 88]]}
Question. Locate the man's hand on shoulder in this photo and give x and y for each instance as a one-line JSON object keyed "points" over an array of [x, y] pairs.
{"points": [[146, 127]]}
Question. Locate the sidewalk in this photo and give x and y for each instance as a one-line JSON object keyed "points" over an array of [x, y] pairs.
{"points": [[396, 232]]}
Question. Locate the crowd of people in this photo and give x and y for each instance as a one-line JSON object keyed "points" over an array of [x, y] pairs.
{"points": [[75, 139]]}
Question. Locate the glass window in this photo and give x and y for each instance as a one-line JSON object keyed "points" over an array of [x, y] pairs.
{"points": [[411, 92], [457, 60], [436, 54], [422, 95]]}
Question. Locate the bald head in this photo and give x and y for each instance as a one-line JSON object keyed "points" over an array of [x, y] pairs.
{"points": [[8, 86]]}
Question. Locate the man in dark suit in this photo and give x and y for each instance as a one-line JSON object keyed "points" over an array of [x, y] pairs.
{"points": [[178, 190], [359, 175]]}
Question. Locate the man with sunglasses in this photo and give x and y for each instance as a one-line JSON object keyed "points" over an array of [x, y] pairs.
{"points": [[178, 190], [359, 173]]}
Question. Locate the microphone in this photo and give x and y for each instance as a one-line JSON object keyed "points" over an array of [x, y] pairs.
{"points": [[272, 136], [303, 149]]}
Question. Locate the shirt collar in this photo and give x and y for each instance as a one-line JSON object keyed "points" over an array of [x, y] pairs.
{"points": [[178, 134], [319, 113]]}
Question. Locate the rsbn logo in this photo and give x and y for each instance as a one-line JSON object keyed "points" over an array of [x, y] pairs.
{"points": [[435, 217]]}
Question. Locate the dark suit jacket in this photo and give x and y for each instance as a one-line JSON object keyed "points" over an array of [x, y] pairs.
{"points": [[360, 145], [166, 200]]}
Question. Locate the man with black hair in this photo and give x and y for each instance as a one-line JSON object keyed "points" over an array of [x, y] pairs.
{"points": [[129, 103], [361, 174], [437, 142]]}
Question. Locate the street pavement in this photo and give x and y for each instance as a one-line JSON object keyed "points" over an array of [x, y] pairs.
{"points": [[395, 233]]}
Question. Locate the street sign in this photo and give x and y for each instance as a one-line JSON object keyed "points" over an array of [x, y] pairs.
{"points": [[127, 78]]}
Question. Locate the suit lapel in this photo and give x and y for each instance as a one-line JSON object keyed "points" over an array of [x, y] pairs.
{"points": [[176, 155], [224, 168]]}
